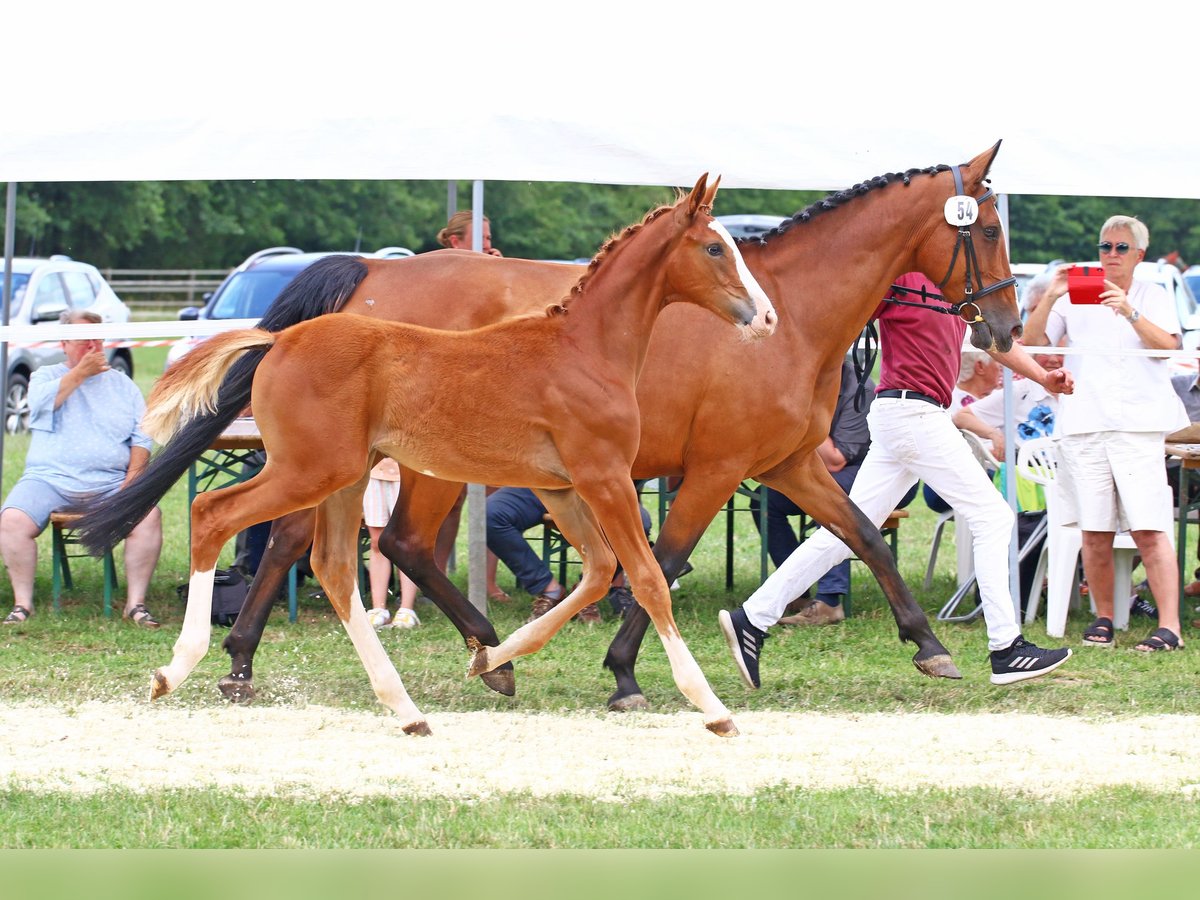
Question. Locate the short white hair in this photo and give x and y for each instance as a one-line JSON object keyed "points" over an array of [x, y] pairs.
{"points": [[1141, 234]]}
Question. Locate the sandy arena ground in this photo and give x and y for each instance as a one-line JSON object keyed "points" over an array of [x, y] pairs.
{"points": [[301, 752]]}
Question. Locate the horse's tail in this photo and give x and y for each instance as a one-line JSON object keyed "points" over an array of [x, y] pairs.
{"points": [[323, 287], [191, 387]]}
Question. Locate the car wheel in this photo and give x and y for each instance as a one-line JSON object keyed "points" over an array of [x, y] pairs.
{"points": [[121, 363], [16, 405]]}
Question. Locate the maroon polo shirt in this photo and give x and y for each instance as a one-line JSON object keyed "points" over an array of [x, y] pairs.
{"points": [[919, 350]]}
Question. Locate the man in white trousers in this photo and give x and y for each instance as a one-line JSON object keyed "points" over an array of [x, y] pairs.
{"points": [[913, 437]]}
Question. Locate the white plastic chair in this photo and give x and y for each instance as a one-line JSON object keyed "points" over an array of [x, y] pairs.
{"points": [[1038, 461], [962, 542]]}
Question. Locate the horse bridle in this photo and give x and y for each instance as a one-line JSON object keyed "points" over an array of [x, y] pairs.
{"points": [[968, 309], [967, 208]]}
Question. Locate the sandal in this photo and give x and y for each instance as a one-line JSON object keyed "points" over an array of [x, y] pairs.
{"points": [[140, 616], [18, 615], [1099, 633], [499, 596], [1163, 640]]}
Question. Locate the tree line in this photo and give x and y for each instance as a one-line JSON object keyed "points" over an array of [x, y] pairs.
{"points": [[216, 224]]}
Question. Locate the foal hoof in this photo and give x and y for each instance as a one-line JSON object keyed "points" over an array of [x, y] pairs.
{"points": [[937, 666], [236, 690], [479, 658], [723, 728], [502, 680], [158, 685], [418, 729], [627, 703]]}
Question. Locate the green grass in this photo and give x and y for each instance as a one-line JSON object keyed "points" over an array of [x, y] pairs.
{"points": [[857, 667]]}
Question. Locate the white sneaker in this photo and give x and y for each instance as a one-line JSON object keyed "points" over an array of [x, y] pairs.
{"points": [[406, 618], [378, 618]]}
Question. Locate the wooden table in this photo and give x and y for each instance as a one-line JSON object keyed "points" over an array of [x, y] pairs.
{"points": [[223, 464]]}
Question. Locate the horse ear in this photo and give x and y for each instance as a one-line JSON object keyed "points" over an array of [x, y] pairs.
{"points": [[712, 193], [696, 197], [985, 160]]}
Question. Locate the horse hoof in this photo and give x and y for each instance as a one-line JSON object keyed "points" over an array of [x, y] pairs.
{"points": [[158, 685], [939, 666], [628, 703], [724, 728], [236, 690], [479, 655], [502, 680], [418, 729]]}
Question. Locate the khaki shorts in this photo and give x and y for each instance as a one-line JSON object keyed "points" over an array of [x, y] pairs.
{"points": [[1115, 481]]}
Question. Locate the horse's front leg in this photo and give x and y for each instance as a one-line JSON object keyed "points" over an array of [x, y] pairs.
{"points": [[335, 563], [580, 528], [856, 524], [409, 540], [290, 537], [701, 496], [615, 505]]}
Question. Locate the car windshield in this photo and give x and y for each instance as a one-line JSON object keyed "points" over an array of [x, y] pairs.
{"points": [[1193, 283], [19, 281], [248, 294]]}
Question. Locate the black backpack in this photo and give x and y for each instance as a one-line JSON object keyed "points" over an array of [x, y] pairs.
{"points": [[229, 593]]}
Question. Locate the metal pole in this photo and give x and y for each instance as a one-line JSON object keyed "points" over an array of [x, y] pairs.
{"points": [[477, 493], [10, 236]]}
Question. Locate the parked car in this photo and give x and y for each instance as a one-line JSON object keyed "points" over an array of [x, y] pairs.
{"points": [[250, 289], [750, 226], [42, 289]]}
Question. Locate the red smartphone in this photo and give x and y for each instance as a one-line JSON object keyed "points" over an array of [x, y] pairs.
{"points": [[1085, 284]]}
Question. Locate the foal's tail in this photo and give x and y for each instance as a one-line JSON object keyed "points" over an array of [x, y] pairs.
{"points": [[324, 287], [191, 387]]}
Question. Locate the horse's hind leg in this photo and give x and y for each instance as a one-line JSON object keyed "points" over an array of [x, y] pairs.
{"points": [[580, 528], [335, 563], [409, 540], [290, 537]]}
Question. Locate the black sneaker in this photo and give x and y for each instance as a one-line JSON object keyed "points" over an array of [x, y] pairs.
{"points": [[745, 642], [1023, 660], [1142, 607], [621, 600]]}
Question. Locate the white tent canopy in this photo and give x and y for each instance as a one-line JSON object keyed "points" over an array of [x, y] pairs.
{"points": [[771, 95]]}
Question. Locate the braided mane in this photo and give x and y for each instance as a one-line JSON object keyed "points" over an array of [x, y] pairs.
{"points": [[841, 198], [605, 251]]}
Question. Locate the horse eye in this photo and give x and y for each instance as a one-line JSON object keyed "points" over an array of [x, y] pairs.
{"points": [[991, 232], [715, 249]]}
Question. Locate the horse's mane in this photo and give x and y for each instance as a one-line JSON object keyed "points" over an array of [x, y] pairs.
{"points": [[605, 251], [841, 198]]}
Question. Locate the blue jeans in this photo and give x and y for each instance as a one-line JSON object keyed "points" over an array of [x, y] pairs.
{"points": [[510, 513]]}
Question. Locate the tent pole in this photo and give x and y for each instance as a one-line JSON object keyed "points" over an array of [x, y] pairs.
{"points": [[10, 237], [477, 493]]}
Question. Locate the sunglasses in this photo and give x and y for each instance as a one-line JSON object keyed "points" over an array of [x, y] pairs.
{"points": [[1108, 246]]}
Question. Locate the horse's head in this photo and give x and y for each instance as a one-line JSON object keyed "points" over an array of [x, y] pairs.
{"points": [[706, 268], [967, 247]]}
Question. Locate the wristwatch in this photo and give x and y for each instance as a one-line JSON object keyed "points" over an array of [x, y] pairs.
{"points": [[1134, 316]]}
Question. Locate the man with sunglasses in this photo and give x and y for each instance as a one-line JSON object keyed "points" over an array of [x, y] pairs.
{"points": [[1111, 471]]}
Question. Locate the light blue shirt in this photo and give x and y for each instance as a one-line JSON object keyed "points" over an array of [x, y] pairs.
{"points": [[83, 445]]}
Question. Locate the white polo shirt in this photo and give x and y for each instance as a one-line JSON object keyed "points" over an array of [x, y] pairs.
{"points": [[1116, 393]]}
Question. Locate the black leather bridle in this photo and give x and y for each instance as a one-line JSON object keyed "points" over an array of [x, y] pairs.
{"points": [[968, 309]]}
